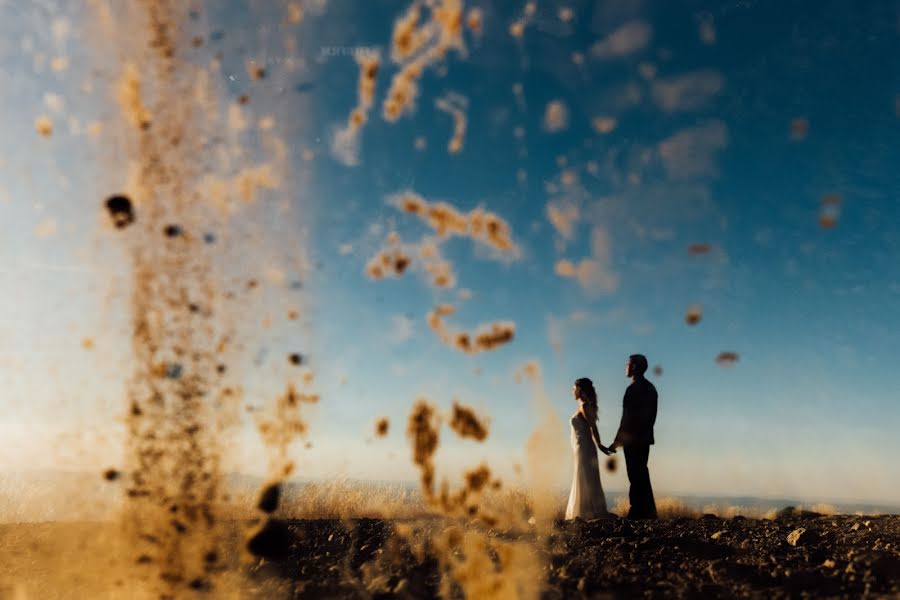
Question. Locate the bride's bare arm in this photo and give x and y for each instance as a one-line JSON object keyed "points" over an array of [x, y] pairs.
{"points": [[596, 435]]}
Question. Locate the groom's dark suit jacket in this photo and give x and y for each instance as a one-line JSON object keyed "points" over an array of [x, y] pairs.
{"points": [[638, 414]]}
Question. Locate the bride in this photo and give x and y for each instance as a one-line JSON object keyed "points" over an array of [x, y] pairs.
{"points": [[586, 500]]}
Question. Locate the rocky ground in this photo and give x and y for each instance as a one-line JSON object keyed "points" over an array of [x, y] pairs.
{"points": [[798, 554]]}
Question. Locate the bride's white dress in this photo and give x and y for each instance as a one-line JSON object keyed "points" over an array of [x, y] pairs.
{"points": [[586, 500]]}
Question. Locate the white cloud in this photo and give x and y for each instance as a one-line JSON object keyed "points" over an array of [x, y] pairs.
{"points": [[687, 92], [631, 37], [691, 152]]}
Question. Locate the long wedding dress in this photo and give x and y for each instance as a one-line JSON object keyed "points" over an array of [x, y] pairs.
{"points": [[586, 500]]}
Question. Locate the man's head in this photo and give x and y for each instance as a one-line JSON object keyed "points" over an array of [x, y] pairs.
{"points": [[636, 365]]}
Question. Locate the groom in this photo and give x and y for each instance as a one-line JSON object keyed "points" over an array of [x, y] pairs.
{"points": [[636, 436]]}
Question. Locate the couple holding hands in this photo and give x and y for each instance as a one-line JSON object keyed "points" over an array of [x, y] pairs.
{"points": [[635, 436]]}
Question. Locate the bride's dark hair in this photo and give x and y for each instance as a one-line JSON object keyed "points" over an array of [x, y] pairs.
{"points": [[590, 396]]}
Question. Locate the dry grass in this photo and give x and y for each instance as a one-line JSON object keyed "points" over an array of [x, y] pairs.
{"points": [[342, 499]]}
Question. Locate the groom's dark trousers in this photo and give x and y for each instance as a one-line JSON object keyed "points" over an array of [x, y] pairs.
{"points": [[640, 492]]}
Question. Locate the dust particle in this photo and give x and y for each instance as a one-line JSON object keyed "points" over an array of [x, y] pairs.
{"points": [[467, 424], [44, 126], [556, 116], [693, 315], [422, 431], [382, 426], [726, 359], [474, 20], [255, 70], [612, 464], [696, 249], [294, 12], [295, 359], [799, 128], [111, 474], [120, 210], [172, 231]]}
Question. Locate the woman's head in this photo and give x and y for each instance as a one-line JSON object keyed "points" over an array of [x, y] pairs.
{"points": [[585, 393]]}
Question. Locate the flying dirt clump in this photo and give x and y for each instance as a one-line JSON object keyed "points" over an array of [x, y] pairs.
{"points": [[467, 424], [269, 497], [120, 210], [455, 105], [423, 431], [700, 248], [382, 426], [44, 126], [479, 225], [726, 359], [693, 315], [484, 339], [556, 116], [345, 145], [391, 261], [417, 43]]}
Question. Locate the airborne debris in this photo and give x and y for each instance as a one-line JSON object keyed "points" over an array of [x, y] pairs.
{"points": [[467, 424], [475, 20], [44, 126], [701, 248], [478, 224], [829, 211], [111, 474], [485, 338], [120, 210], [556, 116], [799, 128], [269, 497], [295, 358], [604, 125], [255, 70], [455, 105], [416, 44], [172, 231], [382, 426], [693, 315], [612, 464], [726, 359], [345, 145], [422, 431]]}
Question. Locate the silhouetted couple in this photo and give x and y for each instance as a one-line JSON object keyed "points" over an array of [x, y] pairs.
{"points": [[635, 436]]}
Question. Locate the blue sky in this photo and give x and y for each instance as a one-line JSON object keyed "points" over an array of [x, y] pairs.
{"points": [[703, 96]]}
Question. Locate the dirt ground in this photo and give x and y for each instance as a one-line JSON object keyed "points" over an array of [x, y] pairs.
{"points": [[795, 555]]}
